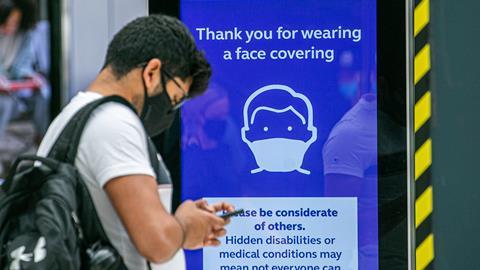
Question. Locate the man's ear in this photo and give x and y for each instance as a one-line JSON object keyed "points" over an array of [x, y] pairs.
{"points": [[151, 75]]}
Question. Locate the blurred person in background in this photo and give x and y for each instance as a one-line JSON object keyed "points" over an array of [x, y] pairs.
{"points": [[18, 59]]}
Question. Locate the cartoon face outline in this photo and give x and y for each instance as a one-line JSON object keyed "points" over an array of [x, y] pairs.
{"points": [[266, 151]]}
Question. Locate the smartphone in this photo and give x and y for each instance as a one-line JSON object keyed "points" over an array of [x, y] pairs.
{"points": [[231, 214]]}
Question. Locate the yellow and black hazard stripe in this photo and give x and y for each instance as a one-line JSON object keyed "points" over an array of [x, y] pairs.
{"points": [[423, 142]]}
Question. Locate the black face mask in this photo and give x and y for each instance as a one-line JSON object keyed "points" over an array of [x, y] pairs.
{"points": [[157, 114]]}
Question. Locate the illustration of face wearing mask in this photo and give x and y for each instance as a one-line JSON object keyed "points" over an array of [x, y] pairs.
{"points": [[278, 128]]}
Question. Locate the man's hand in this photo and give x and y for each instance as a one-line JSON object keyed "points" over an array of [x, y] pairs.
{"points": [[201, 225], [212, 238]]}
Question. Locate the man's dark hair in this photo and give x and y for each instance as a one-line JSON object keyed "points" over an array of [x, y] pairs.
{"points": [[162, 37], [28, 8]]}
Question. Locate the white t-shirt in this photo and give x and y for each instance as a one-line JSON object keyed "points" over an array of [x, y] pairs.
{"points": [[113, 144], [351, 147]]}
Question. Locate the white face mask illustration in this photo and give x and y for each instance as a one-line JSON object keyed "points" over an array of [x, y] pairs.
{"points": [[278, 154]]}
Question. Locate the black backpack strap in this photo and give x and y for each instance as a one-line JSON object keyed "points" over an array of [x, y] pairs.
{"points": [[154, 161], [66, 146], [161, 170]]}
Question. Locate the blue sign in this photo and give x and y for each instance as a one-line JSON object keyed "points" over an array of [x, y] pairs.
{"points": [[287, 130]]}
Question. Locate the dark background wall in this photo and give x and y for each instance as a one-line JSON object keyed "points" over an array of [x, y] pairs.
{"points": [[455, 40]]}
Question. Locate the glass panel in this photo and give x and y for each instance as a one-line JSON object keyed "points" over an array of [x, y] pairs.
{"points": [[287, 131]]}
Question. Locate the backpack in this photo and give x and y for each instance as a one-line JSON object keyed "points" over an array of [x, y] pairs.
{"points": [[47, 218]]}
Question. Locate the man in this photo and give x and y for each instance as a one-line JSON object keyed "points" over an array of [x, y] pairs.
{"points": [[351, 169], [154, 64]]}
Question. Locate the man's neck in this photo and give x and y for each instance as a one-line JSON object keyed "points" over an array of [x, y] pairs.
{"points": [[106, 84]]}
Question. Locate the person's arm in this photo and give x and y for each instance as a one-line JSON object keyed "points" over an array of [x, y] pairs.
{"points": [[114, 151], [156, 234], [342, 185]]}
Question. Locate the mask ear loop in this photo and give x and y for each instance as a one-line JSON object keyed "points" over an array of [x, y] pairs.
{"points": [[164, 84], [145, 98]]}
